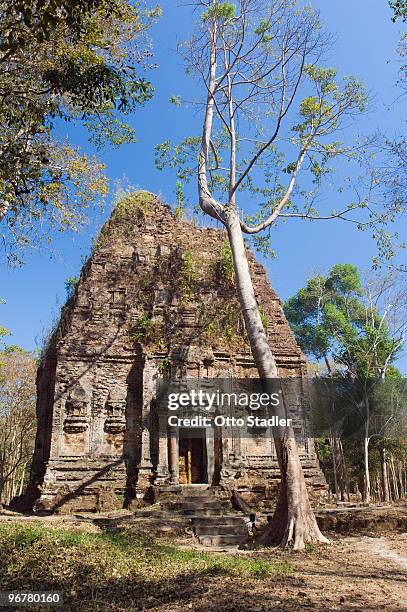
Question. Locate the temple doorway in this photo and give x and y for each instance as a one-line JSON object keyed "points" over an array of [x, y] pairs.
{"points": [[192, 457]]}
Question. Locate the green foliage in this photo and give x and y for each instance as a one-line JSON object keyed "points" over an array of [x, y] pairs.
{"points": [[263, 244], [70, 286], [176, 100], [263, 30], [183, 157], [130, 203], [264, 318], [222, 324], [165, 365], [78, 62], [332, 319], [225, 263], [304, 110], [322, 112], [400, 9], [219, 11], [57, 196], [309, 548], [146, 330], [188, 275], [142, 328], [3, 332], [179, 209], [34, 20]]}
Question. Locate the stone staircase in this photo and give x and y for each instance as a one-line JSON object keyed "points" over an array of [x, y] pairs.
{"points": [[213, 520], [223, 530]]}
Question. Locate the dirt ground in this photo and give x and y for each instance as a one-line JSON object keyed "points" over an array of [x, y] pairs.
{"points": [[357, 572], [353, 573]]}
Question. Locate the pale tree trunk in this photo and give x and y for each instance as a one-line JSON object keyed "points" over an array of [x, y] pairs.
{"points": [[366, 479], [345, 470], [378, 489], [366, 441], [391, 496], [402, 489], [339, 468], [294, 520], [2, 487], [22, 478], [385, 482], [333, 449], [394, 477]]}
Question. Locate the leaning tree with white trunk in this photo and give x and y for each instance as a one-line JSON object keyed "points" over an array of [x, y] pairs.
{"points": [[267, 98]]}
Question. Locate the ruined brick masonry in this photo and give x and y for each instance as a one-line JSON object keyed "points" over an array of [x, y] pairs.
{"points": [[155, 299]]}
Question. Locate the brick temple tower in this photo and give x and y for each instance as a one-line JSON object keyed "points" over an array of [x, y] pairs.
{"points": [[155, 299]]}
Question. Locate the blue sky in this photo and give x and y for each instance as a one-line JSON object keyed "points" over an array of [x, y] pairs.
{"points": [[366, 41]]}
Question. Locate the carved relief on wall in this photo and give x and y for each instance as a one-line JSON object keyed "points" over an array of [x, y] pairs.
{"points": [[76, 411], [116, 414], [117, 299]]}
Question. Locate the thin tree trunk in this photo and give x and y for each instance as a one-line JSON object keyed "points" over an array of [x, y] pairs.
{"points": [[333, 449], [294, 520], [394, 477], [20, 489], [2, 492], [345, 471], [378, 490], [391, 493], [402, 490], [385, 485], [340, 468], [366, 489], [366, 480]]}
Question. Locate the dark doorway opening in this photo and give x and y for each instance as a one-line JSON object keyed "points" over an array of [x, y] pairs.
{"points": [[192, 457]]}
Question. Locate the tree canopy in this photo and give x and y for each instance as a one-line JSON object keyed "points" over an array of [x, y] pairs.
{"points": [[357, 327], [400, 9], [275, 108], [277, 121], [81, 61]]}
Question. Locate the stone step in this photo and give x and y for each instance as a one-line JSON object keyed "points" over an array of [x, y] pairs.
{"points": [[210, 516], [220, 530], [221, 540], [201, 512], [213, 530], [219, 519], [194, 505], [197, 499], [95, 482], [197, 492], [188, 490]]}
